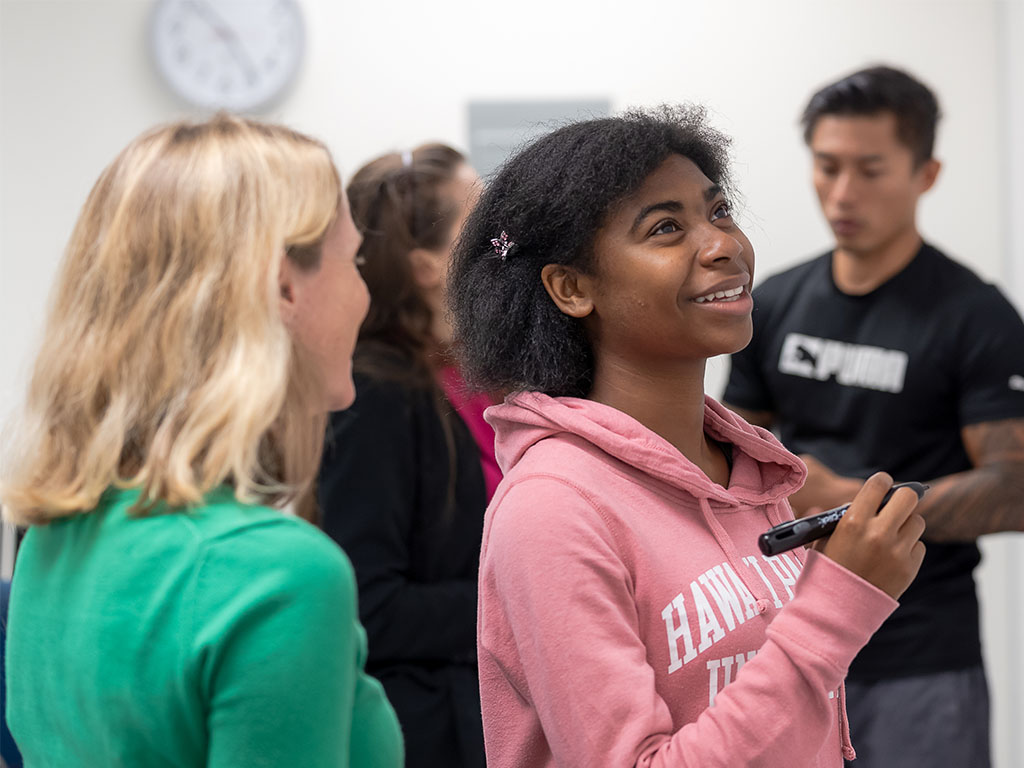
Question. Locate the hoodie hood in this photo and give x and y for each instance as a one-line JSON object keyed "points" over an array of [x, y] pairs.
{"points": [[764, 472]]}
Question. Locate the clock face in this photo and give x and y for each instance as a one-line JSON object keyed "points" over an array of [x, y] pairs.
{"points": [[237, 55]]}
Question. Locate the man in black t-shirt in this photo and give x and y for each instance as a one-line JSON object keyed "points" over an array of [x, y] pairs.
{"points": [[884, 354]]}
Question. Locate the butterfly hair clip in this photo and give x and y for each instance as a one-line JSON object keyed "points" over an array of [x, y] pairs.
{"points": [[502, 245]]}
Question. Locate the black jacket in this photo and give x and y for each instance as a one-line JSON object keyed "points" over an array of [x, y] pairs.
{"points": [[412, 530]]}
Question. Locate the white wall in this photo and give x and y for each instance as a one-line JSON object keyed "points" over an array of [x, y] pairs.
{"points": [[76, 84], [1002, 579]]}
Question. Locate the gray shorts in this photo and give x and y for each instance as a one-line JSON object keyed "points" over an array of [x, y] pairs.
{"points": [[928, 721]]}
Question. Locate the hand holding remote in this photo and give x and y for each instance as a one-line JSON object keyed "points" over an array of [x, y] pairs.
{"points": [[792, 534], [884, 549]]}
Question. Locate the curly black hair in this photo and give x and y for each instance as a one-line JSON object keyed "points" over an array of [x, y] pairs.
{"points": [[551, 198], [876, 90]]}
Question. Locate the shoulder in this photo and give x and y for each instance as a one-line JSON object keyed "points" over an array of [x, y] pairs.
{"points": [[781, 283], [275, 549], [390, 368], [529, 488], [387, 377], [784, 290], [375, 391], [970, 297], [255, 586], [541, 506], [546, 528], [381, 403], [564, 464], [389, 360], [949, 273]]}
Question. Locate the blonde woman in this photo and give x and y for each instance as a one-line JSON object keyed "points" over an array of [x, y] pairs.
{"points": [[164, 611]]}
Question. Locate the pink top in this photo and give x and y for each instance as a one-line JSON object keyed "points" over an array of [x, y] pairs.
{"points": [[626, 616], [470, 408]]}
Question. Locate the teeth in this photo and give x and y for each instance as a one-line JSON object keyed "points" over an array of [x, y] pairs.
{"points": [[719, 295]]}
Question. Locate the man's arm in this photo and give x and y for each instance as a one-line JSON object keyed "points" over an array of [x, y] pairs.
{"points": [[986, 499], [823, 487], [961, 507]]}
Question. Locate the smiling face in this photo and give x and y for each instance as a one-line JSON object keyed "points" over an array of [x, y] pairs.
{"points": [[867, 181], [672, 273]]}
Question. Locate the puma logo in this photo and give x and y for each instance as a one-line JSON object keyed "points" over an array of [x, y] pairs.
{"points": [[851, 365]]}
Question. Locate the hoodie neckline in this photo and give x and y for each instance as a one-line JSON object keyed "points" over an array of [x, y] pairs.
{"points": [[763, 472]]}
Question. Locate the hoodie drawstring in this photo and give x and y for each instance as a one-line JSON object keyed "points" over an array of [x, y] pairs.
{"points": [[733, 555], [725, 542], [844, 726]]}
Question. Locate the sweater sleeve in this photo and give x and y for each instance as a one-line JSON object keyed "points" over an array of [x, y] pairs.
{"points": [[567, 638], [279, 654], [369, 501]]}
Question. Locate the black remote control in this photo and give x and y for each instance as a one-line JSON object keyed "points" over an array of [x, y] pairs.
{"points": [[791, 535]]}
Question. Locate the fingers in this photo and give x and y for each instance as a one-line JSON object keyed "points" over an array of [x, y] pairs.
{"points": [[917, 553], [911, 531], [900, 508], [865, 504], [883, 545]]}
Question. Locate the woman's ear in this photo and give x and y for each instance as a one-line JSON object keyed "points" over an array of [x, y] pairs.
{"points": [[569, 289], [286, 280], [427, 268]]}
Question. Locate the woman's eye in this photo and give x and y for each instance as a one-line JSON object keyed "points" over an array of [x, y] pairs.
{"points": [[359, 260], [665, 228], [721, 212]]}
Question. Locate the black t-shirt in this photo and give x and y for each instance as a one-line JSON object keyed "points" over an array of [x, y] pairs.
{"points": [[886, 381]]}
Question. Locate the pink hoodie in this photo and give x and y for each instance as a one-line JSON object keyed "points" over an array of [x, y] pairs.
{"points": [[626, 615]]}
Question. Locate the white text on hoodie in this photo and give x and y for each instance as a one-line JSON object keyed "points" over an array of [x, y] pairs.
{"points": [[701, 628]]}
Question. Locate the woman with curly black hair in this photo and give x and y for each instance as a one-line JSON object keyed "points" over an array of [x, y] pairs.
{"points": [[621, 589]]}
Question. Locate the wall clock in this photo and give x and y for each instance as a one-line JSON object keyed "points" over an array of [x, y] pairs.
{"points": [[239, 55]]}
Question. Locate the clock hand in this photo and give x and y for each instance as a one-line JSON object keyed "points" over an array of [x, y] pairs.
{"points": [[225, 33]]}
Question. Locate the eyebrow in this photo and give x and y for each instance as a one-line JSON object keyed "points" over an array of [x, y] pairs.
{"points": [[673, 206], [861, 159]]}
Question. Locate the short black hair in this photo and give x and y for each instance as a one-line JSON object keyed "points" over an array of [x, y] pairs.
{"points": [[876, 90], [551, 197]]}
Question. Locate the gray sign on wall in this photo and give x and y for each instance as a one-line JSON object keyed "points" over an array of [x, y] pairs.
{"points": [[496, 128]]}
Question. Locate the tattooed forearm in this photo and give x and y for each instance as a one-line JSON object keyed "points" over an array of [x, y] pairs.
{"points": [[969, 504], [986, 499]]}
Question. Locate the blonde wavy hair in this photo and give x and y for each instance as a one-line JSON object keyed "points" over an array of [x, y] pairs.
{"points": [[165, 364]]}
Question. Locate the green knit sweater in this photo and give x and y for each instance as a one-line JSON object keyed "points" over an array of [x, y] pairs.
{"points": [[220, 636]]}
